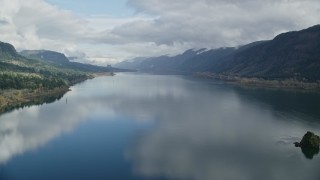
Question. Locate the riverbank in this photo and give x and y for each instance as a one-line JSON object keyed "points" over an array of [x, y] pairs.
{"points": [[13, 98], [259, 82]]}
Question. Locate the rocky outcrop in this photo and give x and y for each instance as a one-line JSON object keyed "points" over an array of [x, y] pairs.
{"points": [[309, 140], [309, 145]]}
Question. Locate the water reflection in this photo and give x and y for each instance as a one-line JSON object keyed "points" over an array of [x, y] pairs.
{"points": [[29, 128], [201, 130], [220, 137], [35, 101], [102, 98], [217, 133], [15, 128], [289, 103], [309, 153]]}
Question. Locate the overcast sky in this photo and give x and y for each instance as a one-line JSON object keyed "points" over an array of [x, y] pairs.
{"points": [[113, 30]]}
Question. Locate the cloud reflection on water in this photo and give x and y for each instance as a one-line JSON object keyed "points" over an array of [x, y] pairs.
{"points": [[29, 128], [202, 131]]}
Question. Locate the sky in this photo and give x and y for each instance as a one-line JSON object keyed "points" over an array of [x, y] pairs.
{"points": [[109, 31]]}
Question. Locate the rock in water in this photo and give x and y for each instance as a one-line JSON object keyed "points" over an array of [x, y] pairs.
{"points": [[297, 144], [309, 153], [310, 140], [309, 144]]}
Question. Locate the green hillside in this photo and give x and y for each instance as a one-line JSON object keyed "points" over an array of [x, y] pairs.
{"points": [[17, 72], [24, 79]]}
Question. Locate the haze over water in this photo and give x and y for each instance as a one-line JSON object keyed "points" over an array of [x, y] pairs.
{"points": [[138, 126]]}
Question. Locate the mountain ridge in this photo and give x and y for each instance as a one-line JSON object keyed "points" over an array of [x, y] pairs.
{"points": [[294, 54], [61, 60]]}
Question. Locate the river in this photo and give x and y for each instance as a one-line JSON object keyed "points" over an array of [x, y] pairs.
{"points": [[140, 126]]}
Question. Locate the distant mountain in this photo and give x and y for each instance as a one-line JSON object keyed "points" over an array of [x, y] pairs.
{"points": [[289, 55], [61, 60], [188, 62], [162, 64], [131, 64], [52, 56]]}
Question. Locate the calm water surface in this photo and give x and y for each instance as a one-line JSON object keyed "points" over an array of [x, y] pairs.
{"points": [[136, 126]]}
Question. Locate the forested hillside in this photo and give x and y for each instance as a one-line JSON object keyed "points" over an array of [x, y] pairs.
{"points": [[23, 79], [17, 72], [289, 55]]}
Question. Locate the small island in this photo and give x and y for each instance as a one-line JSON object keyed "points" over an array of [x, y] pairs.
{"points": [[309, 144]]}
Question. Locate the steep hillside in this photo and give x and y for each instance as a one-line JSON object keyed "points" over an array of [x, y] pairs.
{"points": [[289, 55], [292, 54], [18, 72], [23, 79]]}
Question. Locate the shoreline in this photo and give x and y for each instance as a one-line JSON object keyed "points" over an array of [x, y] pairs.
{"points": [[99, 74], [263, 83], [12, 98]]}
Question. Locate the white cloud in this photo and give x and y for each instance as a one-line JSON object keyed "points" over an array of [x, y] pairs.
{"points": [[35, 24], [158, 27], [217, 23]]}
